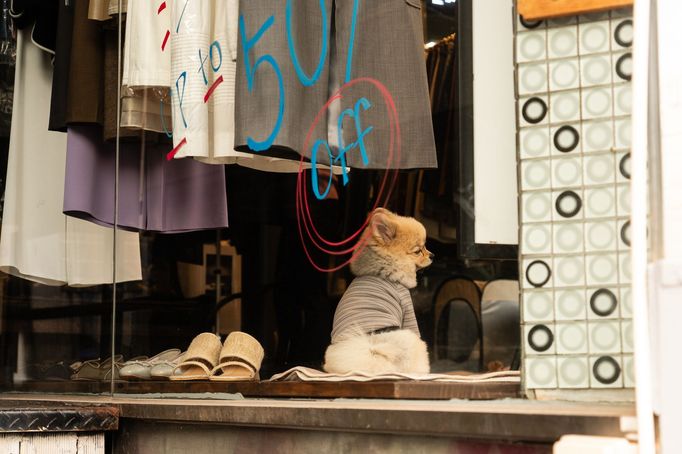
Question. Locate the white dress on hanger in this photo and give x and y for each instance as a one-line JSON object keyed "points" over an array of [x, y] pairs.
{"points": [[38, 242], [145, 64], [146, 68]]}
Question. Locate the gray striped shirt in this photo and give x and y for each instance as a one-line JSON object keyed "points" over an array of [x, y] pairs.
{"points": [[371, 303]]}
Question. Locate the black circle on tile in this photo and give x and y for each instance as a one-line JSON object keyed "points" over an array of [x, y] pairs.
{"points": [[537, 346], [541, 264], [529, 23], [619, 30], [568, 195], [625, 233], [610, 379], [574, 139], [622, 60], [601, 293], [528, 107], [623, 166]]}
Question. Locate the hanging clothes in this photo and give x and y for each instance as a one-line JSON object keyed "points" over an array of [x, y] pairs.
{"points": [[145, 61], [103, 10], [156, 37], [86, 82], [146, 69], [155, 194], [205, 120], [111, 95], [77, 83], [288, 77], [438, 202], [60, 76], [146, 109], [40, 17], [106, 11], [37, 241]]}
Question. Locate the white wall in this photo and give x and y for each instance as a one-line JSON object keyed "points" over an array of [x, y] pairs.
{"points": [[667, 271], [494, 123]]}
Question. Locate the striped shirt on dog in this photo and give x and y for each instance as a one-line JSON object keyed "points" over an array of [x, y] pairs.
{"points": [[372, 303]]}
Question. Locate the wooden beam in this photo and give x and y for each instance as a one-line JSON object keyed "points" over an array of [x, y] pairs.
{"points": [[547, 9], [406, 389]]}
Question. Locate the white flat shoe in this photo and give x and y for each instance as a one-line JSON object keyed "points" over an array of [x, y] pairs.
{"points": [[141, 369]]}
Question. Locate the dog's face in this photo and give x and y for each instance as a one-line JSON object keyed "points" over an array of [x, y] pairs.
{"points": [[401, 238]]}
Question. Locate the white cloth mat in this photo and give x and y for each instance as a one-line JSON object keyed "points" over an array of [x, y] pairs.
{"points": [[308, 374]]}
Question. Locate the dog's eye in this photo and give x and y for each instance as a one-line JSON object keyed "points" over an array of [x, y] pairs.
{"points": [[417, 251]]}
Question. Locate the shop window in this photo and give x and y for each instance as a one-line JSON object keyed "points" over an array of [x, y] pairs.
{"points": [[196, 230]]}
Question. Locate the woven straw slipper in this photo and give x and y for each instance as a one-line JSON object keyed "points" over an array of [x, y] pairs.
{"points": [[201, 357], [240, 359]]}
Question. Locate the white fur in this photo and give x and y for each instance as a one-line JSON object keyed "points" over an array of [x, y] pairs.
{"points": [[383, 353]]}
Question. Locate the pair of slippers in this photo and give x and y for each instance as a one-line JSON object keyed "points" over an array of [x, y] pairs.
{"points": [[238, 359], [96, 369], [157, 367]]}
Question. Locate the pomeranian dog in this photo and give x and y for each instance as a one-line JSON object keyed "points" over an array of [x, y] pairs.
{"points": [[375, 330]]}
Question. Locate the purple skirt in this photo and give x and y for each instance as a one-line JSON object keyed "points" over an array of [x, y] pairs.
{"points": [[154, 194]]}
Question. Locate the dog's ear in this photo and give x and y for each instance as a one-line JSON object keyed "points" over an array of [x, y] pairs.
{"points": [[383, 226]]}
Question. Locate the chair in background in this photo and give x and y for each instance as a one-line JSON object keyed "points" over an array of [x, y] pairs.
{"points": [[457, 326], [500, 320]]}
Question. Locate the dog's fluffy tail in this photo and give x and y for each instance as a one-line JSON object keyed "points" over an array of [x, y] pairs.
{"points": [[383, 353]]}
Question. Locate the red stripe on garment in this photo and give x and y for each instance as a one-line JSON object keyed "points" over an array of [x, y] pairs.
{"points": [[218, 81], [165, 40], [175, 150]]}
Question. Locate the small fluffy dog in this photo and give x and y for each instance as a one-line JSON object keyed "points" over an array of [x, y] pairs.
{"points": [[375, 329]]}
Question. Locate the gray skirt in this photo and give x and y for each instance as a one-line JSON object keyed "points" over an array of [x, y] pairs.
{"points": [[286, 75]]}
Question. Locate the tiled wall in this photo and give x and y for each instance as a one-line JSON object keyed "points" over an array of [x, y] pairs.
{"points": [[574, 103]]}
